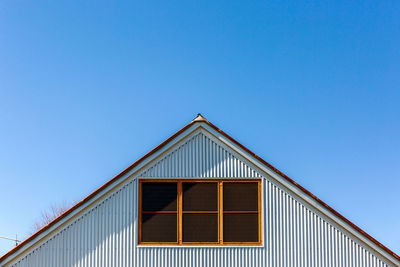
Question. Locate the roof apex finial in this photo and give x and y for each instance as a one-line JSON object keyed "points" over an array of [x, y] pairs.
{"points": [[199, 118]]}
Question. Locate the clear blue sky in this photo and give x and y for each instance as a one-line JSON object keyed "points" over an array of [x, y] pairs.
{"points": [[88, 87]]}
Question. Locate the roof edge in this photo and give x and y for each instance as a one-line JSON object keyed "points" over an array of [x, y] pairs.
{"points": [[199, 118], [97, 191], [376, 242]]}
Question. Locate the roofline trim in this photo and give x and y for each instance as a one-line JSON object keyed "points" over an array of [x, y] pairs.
{"points": [[198, 119], [93, 194], [308, 193]]}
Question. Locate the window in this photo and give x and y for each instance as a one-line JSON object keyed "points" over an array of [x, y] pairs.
{"points": [[190, 212]]}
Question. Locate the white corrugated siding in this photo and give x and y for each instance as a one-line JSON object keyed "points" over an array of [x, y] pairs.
{"points": [[200, 156], [105, 234]]}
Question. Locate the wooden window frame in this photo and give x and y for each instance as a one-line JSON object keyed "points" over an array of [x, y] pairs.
{"points": [[220, 212]]}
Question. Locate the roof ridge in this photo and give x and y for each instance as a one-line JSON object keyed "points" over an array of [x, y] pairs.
{"points": [[199, 118]]}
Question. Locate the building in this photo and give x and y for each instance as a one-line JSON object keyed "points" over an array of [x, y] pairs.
{"points": [[200, 199]]}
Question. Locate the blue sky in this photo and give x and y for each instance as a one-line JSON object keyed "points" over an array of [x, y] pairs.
{"points": [[87, 88]]}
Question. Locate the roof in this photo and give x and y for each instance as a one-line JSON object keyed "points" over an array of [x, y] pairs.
{"points": [[199, 118]]}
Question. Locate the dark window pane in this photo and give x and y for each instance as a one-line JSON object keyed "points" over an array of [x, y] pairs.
{"points": [[239, 227], [159, 227], [159, 196], [200, 227], [200, 196], [240, 196]]}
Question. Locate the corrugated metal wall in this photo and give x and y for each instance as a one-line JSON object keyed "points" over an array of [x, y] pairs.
{"points": [[105, 234], [200, 156]]}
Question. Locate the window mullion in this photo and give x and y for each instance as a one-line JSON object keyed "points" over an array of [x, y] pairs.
{"points": [[180, 212], [221, 212]]}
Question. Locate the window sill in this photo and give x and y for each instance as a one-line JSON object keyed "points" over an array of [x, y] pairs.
{"points": [[201, 246]]}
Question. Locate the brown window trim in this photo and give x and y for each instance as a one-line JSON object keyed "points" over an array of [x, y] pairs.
{"points": [[220, 212]]}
